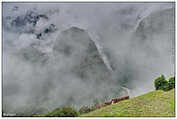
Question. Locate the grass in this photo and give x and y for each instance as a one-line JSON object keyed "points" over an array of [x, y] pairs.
{"points": [[153, 104]]}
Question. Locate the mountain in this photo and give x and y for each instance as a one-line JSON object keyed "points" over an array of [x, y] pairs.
{"points": [[75, 44]]}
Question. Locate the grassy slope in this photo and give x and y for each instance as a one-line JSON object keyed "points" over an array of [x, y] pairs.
{"points": [[156, 103]]}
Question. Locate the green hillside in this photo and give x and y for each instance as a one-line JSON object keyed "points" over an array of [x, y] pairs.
{"points": [[156, 103]]}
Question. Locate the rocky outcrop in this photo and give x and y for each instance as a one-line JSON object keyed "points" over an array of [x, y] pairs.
{"points": [[23, 23], [75, 43], [114, 100]]}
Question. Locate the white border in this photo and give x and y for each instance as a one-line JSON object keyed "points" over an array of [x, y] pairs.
{"points": [[81, 1], [88, 0]]}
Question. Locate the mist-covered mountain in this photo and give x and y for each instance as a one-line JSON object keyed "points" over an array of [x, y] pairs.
{"points": [[75, 44], [71, 54]]}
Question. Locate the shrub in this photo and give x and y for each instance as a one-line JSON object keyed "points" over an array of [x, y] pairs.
{"points": [[84, 109], [161, 83], [63, 112], [171, 82]]}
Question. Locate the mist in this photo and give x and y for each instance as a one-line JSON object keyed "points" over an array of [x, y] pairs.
{"points": [[71, 54]]}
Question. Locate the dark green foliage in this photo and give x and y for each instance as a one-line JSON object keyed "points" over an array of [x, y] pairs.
{"points": [[63, 112], [171, 82], [161, 83], [84, 109]]}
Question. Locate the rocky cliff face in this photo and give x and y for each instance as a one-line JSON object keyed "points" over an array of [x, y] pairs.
{"points": [[76, 45]]}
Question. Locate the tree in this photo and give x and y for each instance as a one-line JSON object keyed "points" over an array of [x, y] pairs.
{"points": [[171, 82], [161, 84], [63, 112]]}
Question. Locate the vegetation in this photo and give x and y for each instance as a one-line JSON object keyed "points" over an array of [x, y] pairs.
{"points": [[159, 103], [85, 109], [154, 104], [62, 112], [171, 82], [162, 84]]}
